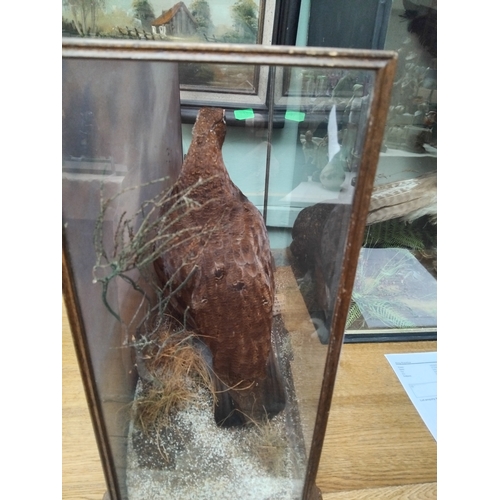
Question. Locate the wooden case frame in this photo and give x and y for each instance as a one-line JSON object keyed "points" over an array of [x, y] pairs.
{"points": [[383, 64]]}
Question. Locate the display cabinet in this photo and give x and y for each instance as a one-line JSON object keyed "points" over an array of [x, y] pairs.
{"points": [[395, 292], [395, 296], [196, 234]]}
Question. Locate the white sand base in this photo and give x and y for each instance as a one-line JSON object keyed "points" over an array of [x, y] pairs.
{"points": [[196, 459], [193, 458]]}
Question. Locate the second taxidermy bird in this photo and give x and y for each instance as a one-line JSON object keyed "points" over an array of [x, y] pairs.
{"points": [[222, 266]]}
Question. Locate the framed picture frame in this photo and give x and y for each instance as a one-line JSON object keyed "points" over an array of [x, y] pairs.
{"points": [[121, 154], [234, 85]]}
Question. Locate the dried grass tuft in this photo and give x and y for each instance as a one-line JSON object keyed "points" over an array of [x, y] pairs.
{"points": [[175, 370], [266, 441]]}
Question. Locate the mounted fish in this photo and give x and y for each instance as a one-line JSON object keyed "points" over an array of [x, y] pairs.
{"points": [[221, 270]]}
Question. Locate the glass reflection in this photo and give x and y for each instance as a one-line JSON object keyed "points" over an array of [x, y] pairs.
{"points": [[188, 413]]}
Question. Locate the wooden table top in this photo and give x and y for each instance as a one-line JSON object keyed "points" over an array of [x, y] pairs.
{"points": [[376, 444]]}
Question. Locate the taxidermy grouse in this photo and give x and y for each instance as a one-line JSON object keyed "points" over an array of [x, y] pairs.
{"points": [[222, 270]]}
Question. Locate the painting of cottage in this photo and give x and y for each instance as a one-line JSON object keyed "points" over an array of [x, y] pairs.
{"points": [[177, 21]]}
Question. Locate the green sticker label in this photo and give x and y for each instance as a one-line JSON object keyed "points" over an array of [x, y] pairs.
{"points": [[296, 116], [243, 114]]}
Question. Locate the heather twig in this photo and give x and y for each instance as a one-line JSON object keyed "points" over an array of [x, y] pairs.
{"points": [[169, 363], [140, 239]]}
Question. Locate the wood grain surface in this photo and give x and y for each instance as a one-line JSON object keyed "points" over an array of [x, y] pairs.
{"points": [[82, 475], [376, 445], [425, 491], [375, 436]]}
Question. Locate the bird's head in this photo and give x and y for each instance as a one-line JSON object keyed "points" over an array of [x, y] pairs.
{"points": [[211, 123]]}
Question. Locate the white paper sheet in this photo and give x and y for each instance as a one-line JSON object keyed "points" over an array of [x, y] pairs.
{"points": [[417, 372]]}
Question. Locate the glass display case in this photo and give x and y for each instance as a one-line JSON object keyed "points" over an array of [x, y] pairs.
{"points": [[394, 297], [210, 251]]}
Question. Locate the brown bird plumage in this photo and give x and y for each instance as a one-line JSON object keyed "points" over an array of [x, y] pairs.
{"points": [[223, 244]]}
